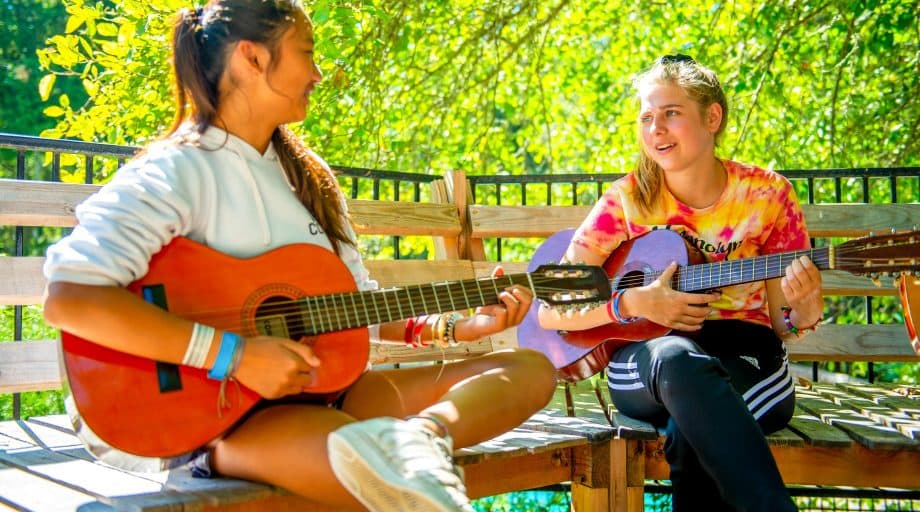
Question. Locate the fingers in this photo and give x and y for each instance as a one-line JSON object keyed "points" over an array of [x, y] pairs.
{"points": [[667, 274], [306, 354], [802, 277]]}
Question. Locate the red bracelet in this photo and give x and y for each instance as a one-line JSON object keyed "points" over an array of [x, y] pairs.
{"points": [[407, 334], [420, 323]]}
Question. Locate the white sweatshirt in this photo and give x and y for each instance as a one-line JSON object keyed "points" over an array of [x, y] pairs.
{"points": [[222, 193]]}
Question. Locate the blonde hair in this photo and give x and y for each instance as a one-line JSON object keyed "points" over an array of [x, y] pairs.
{"points": [[701, 85]]}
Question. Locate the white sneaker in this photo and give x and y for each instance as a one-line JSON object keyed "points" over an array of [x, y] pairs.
{"points": [[393, 465]]}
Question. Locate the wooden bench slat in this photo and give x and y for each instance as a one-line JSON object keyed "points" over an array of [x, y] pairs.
{"points": [[861, 428], [785, 437], [815, 432], [871, 408], [28, 491]]}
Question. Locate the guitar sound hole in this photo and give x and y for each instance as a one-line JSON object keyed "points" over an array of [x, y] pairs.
{"points": [[280, 317], [631, 279]]}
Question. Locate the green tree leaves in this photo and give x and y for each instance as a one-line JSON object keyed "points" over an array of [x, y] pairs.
{"points": [[536, 86]]}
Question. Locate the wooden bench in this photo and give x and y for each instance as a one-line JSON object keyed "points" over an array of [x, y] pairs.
{"points": [[843, 435], [43, 465], [849, 434]]}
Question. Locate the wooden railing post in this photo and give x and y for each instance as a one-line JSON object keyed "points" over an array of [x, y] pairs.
{"points": [[459, 193]]}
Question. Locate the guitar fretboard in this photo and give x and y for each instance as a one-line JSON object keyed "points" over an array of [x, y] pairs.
{"points": [[333, 312], [708, 276]]}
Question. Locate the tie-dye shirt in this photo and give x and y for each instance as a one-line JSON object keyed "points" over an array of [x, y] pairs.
{"points": [[758, 213]]}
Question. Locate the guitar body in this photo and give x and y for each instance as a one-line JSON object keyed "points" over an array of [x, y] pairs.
{"points": [[909, 290], [580, 354], [153, 409]]}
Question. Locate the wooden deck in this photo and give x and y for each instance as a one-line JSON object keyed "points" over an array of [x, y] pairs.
{"points": [[44, 467]]}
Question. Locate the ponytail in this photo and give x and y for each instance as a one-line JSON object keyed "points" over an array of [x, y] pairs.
{"points": [[201, 39], [193, 81]]}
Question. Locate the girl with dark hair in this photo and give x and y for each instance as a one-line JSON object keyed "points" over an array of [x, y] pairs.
{"points": [[230, 176], [720, 379]]}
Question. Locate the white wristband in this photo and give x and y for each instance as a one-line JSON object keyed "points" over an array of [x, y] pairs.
{"points": [[198, 346]]}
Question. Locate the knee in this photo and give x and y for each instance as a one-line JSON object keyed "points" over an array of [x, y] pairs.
{"points": [[678, 362], [531, 369]]}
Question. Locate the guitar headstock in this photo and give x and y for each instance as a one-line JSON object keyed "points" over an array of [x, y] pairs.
{"points": [[888, 254], [561, 285]]}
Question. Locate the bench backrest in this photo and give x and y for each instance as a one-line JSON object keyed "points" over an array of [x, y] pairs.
{"points": [[33, 365]]}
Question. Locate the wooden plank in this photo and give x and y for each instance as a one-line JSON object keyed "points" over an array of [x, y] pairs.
{"points": [[814, 431], [627, 476], [497, 476], [785, 437], [386, 353], [523, 221], [824, 220], [517, 442], [21, 280], [840, 282], [813, 465], [25, 490], [403, 218], [444, 247], [859, 427], [29, 366], [855, 466], [858, 219], [869, 406], [40, 203], [389, 273], [854, 343]]}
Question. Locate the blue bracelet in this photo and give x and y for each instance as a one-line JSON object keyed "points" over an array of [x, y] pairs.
{"points": [[228, 344], [616, 309]]}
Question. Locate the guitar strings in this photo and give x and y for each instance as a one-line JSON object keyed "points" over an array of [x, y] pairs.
{"points": [[394, 307], [330, 312]]}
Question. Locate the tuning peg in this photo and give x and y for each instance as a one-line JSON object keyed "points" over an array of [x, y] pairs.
{"points": [[895, 274], [876, 281]]}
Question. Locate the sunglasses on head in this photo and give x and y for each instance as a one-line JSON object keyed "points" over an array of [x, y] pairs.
{"points": [[673, 59]]}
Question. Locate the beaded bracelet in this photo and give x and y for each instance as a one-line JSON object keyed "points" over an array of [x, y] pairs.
{"points": [[787, 311], [449, 329]]}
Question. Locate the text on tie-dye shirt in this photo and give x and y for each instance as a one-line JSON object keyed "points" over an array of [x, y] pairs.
{"points": [[758, 213]]}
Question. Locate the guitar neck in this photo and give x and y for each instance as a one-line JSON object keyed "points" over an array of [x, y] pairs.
{"points": [[334, 312], [709, 276]]}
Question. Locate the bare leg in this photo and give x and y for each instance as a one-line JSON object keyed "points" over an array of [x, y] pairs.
{"points": [[476, 399], [285, 445]]}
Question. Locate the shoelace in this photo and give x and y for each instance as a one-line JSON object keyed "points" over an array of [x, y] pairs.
{"points": [[432, 451]]}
